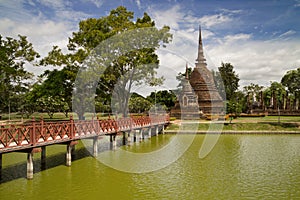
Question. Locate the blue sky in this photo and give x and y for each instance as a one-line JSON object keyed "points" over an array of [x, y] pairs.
{"points": [[261, 38]]}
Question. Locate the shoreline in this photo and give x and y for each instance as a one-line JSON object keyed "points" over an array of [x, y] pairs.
{"points": [[258, 132]]}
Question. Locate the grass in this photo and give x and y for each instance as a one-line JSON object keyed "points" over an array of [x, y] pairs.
{"points": [[287, 123], [245, 127], [268, 123]]}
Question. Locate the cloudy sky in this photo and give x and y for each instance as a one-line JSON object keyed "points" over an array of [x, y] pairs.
{"points": [[260, 38]]}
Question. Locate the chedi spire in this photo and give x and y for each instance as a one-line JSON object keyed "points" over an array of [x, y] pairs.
{"points": [[200, 59]]}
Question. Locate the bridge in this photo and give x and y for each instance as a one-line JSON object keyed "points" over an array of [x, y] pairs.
{"points": [[33, 137]]}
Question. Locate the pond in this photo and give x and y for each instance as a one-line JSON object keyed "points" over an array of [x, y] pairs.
{"points": [[238, 167]]}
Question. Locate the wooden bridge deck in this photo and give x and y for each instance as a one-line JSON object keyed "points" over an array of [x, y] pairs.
{"points": [[38, 134]]}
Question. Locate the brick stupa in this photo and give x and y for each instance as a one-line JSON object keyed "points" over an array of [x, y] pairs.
{"points": [[200, 84]]}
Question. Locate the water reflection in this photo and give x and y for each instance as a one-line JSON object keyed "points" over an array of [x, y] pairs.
{"points": [[239, 167]]}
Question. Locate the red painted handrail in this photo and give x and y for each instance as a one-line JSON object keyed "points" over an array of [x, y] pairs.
{"points": [[40, 133]]}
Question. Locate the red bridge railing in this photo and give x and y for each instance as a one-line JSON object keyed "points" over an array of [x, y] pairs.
{"points": [[40, 133]]}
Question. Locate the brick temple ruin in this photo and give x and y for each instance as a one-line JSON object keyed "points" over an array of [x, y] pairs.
{"points": [[199, 95]]}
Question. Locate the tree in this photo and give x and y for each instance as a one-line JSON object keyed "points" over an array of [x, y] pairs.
{"points": [[14, 79], [278, 93], [138, 104], [230, 80], [219, 83], [227, 83], [110, 51], [166, 98], [253, 94], [291, 80], [181, 76]]}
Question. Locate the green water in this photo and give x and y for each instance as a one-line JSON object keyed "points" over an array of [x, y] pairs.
{"points": [[239, 167]]}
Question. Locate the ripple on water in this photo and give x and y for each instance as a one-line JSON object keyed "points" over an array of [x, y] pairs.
{"points": [[239, 167]]}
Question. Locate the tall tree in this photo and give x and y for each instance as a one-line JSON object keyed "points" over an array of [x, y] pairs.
{"points": [[253, 94], [14, 79], [54, 93], [119, 57], [230, 80], [278, 92], [291, 80], [166, 98], [138, 104]]}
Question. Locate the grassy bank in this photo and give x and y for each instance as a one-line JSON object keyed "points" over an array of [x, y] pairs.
{"points": [[268, 123], [245, 127]]}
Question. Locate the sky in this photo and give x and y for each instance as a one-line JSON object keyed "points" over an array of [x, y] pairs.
{"points": [[260, 38]]}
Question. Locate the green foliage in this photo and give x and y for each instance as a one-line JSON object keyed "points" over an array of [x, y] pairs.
{"points": [[14, 79], [278, 91], [291, 80], [219, 83], [181, 76], [253, 95], [164, 97], [138, 105], [230, 81], [123, 67], [234, 108]]}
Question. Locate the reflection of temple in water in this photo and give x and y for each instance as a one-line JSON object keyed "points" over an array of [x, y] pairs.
{"points": [[199, 94]]}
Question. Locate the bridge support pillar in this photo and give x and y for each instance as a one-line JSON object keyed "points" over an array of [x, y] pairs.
{"points": [[95, 146], [69, 155], [141, 135], [43, 158], [149, 132], [113, 141], [128, 138], [30, 165], [156, 130]]}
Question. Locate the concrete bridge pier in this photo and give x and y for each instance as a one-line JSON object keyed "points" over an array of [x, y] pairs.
{"points": [[113, 141], [156, 130], [29, 165], [95, 146], [149, 132], [69, 155], [70, 152], [163, 129], [128, 138], [141, 135]]}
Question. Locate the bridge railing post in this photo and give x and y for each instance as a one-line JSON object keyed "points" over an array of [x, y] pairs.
{"points": [[42, 126], [33, 132], [97, 126], [72, 133]]}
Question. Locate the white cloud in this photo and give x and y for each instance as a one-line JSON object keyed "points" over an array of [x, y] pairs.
{"points": [[288, 33], [14, 9], [255, 61], [43, 33], [258, 61], [297, 3], [237, 37], [171, 17], [213, 20], [57, 4], [138, 3], [98, 3]]}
